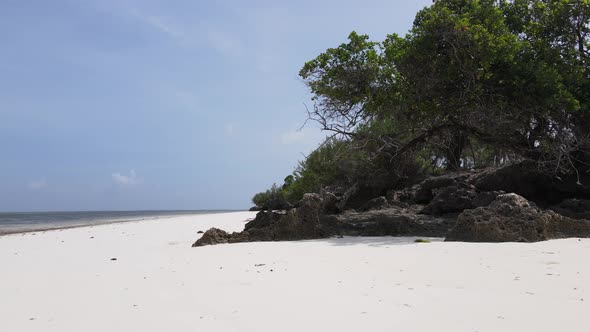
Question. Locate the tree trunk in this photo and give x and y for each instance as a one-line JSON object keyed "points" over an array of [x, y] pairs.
{"points": [[455, 150]]}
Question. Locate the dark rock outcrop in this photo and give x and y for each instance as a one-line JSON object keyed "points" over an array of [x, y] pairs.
{"points": [[425, 191], [486, 198], [336, 200], [212, 236], [330, 201], [393, 221], [512, 218], [308, 222], [218, 236], [527, 180], [297, 224], [450, 193], [573, 208], [451, 199], [378, 203], [473, 205], [343, 201]]}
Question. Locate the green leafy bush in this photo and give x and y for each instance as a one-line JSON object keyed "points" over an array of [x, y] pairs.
{"points": [[271, 199]]}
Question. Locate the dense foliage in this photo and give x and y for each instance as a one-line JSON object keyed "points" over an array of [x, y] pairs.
{"points": [[474, 83], [272, 199]]}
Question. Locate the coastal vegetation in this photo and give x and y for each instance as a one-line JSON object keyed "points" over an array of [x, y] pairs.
{"points": [[474, 84], [474, 126]]}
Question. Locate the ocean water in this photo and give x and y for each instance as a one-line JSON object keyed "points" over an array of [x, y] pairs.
{"points": [[19, 222]]}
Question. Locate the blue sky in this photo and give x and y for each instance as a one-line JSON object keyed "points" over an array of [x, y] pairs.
{"points": [[126, 105]]}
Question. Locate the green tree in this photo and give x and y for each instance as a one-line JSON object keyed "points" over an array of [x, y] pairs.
{"points": [[474, 83], [557, 34], [465, 76]]}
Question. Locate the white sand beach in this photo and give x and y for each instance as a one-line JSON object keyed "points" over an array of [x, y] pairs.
{"points": [[65, 280]]}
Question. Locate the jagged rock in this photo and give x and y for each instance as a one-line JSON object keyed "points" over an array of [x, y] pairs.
{"points": [[375, 204], [260, 229], [212, 236], [309, 209], [512, 218], [337, 199], [573, 208], [309, 222], [486, 198], [348, 194], [263, 219], [296, 224], [422, 196], [218, 236], [398, 204], [388, 222], [546, 188], [451, 199], [305, 220], [521, 179], [527, 180], [486, 212], [254, 208], [330, 201], [439, 181], [425, 191]]}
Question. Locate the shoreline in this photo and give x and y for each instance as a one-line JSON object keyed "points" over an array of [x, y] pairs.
{"points": [[58, 227]]}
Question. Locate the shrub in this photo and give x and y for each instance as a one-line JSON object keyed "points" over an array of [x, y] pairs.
{"points": [[271, 199]]}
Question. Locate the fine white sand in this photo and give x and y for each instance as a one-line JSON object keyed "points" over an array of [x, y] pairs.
{"points": [[65, 281]]}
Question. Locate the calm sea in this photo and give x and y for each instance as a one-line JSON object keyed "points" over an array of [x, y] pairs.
{"points": [[18, 222]]}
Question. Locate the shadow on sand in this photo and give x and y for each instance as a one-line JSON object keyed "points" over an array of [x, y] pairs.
{"points": [[377, 241]]}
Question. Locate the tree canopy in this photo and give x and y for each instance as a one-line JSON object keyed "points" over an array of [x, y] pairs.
{"points": [[474, 83], [509, 74]]}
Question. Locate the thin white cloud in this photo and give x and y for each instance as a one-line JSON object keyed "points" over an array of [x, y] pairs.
{"points": [[190, 34], [162, 24], [37, 184], [130, 179]]}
